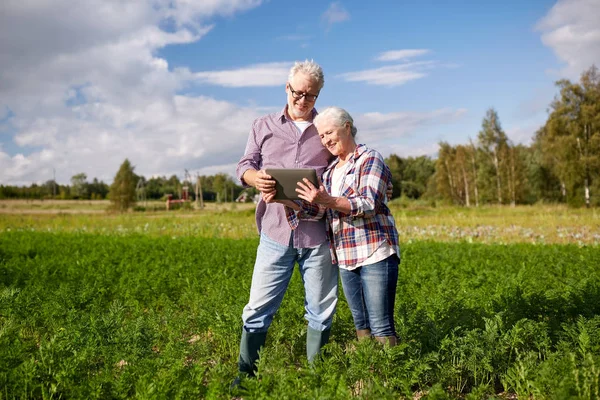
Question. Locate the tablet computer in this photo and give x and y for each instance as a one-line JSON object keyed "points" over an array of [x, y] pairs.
{"points": [[287, 180]]}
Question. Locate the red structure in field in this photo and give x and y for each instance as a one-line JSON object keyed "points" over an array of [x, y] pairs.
{"points": [[185, 197]]}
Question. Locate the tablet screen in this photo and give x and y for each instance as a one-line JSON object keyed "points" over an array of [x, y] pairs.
{"points": [[287, 180]]}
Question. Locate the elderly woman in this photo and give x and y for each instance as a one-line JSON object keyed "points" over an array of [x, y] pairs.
{"points": [[361, 229]]}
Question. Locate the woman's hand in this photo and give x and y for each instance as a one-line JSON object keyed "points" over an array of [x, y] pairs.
{"points": [[309, 192]]}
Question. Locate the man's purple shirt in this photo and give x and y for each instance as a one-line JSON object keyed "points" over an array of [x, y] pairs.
{"points": [[274, 142]]}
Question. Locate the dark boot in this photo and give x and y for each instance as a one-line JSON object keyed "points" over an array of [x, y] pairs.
{"points": [[315, 340], [250, 344]]}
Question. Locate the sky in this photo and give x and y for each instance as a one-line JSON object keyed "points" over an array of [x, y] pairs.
{"points": [[174, 85]]}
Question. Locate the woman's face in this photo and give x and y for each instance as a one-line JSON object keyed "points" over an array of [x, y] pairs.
{"points": [[337, 139]]}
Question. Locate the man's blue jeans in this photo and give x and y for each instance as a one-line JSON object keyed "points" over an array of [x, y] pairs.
{"points": [[371, 294], [272, 273]]}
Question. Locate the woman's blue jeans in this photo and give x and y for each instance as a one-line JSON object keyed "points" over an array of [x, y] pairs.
{"points": [[371, 294]]}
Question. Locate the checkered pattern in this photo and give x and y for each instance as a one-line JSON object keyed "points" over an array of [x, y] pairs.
{"points": [[355, 236]]}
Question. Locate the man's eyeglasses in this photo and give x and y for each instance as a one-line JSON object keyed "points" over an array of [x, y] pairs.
{"points": [[299, 95]]}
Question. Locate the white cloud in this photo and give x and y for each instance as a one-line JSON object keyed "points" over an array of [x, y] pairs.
{"points": [[162, 138], [523, 133], [535, 104], [393, 75], [86, 90], [187, 11], [270, 74], [379, 130], [411, 150], [335, 14], [397, 55], [571, 29]]}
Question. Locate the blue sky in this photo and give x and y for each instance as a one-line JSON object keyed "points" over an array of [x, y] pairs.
{"points": [[174, 85]]}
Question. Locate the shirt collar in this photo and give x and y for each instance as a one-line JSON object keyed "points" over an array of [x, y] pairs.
{"points": [[358, 151], [283, 115]]}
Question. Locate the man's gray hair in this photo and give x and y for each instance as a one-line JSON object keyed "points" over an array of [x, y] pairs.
{"points": [[338, 116], [310, 68]]}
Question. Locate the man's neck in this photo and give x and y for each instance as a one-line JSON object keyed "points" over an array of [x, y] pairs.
{"points": [[299, 119]]}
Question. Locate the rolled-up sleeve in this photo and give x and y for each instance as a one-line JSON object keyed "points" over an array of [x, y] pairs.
{"points": [[308, 212], [311, 211], [252, 158]]}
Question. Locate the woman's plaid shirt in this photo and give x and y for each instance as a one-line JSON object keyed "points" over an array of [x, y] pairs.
{"points": [[355, 236]]}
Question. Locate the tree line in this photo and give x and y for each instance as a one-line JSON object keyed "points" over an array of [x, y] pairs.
{"points": [[561, 165], [220, 187]]}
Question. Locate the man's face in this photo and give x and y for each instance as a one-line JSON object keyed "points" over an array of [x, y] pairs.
{"points": [[299, 109]]}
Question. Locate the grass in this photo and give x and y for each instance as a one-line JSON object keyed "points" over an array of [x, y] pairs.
{"points": [[102, 316], [489, 224], [493, 302]]}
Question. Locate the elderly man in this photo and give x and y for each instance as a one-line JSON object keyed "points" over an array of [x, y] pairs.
{"points": [[287, 139]]}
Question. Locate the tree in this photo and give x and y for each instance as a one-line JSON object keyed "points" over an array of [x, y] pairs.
{"points": [[463, 164], [472, 152], [447, 176], [122, 191], [516, 176], [572, 133], [79, 186], [415, 175], [223, 186], [545, 182], [173, 186], [97, 189], [410, 176], [493, 144], [396, 166], [50, 188], [155, 187]]}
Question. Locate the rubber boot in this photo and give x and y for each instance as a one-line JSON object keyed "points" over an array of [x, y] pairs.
{"points": [[387, 340], [363, 334], [315, 340], [250, 344]]}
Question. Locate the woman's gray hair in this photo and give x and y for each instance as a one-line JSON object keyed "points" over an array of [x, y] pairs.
{"points": [[310, 68], [338, 116]]}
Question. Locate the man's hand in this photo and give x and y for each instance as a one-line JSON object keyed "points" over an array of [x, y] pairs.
{"points": [[262, 181], [269, 197]]}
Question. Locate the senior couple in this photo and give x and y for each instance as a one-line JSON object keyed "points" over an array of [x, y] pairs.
{"points": [[342, 223]]}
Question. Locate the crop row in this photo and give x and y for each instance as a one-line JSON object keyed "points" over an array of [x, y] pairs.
{"points": [[122, 316]]}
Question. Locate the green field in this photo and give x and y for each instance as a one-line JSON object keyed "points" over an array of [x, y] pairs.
{"points": [[541, 224], [148, 305]]}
